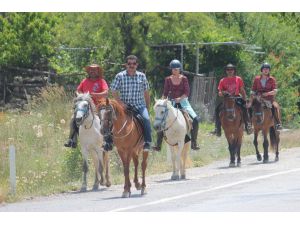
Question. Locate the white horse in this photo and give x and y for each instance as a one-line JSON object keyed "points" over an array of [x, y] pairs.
{"points": [[91, 141], [173, 124]]}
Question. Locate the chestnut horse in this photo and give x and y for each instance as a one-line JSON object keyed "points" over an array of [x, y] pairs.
{"points": [[263, 120], [128, 137], [232, 123]]}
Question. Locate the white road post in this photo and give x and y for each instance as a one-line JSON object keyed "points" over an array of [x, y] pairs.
{"points": [[12, 168]]}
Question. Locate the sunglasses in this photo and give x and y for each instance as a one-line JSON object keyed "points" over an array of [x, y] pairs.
{"points": [[131, 63], [229, 69]]}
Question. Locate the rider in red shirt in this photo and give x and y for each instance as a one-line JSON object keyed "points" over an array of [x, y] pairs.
{"points": [[232, 85], [97, 87], [265, 85]]}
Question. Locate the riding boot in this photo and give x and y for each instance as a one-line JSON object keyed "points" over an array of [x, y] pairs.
{"points": [[217, 130], [159, 140], [72, 141], [277, 119], [194, 134], [248, 125], [108, 143]]}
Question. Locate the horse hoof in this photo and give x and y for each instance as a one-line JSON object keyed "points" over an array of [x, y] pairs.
{"points": [[83, 189], [232, 164], [258, 157], [276, 159], [143, 191], [108, 184], [266, 161], [102, 183], [126, 194], [182, 177], [138, 186], [238, 164], [175, 177], [95, 187]]}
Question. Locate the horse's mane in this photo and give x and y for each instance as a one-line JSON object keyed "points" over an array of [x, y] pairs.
{"points": [[86, 97], [117, 107]]}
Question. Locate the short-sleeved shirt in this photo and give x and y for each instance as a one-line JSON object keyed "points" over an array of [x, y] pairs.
{"points": [[231, 84], [92, 86], [175, 91], [131, 88], [260, 87]]}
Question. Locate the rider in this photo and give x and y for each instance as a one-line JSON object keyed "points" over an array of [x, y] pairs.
{"points": [[130, 87], [232, 85], [97, 87], [177, 87], [265, 85]]}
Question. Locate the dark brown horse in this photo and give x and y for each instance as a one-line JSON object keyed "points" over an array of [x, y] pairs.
{"points": [[128, 138], [263, 120], [232, 123]]}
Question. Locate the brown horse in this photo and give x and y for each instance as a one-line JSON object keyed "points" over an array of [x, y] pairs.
{"points": [[127, 134], [232, 123], [263, 120]]}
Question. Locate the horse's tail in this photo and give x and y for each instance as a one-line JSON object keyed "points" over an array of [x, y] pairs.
{"points": [[273, 138]]}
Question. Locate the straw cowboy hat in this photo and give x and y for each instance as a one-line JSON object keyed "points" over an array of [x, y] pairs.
{"points": [[94, 67]]}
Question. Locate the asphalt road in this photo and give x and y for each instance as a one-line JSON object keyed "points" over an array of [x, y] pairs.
{"points": [[254, 187]]}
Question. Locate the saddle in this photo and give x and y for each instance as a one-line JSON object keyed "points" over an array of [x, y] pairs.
{"points": [[131, 110], [188, 120]]}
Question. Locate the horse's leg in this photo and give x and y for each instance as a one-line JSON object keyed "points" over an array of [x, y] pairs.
{"points": [[258, 155], [98, 163], [277, 145], [175, 164], [126, 164], [266, 146], [183, 159], [84, 169], [136, 166], [106, 162], [231, 149], [144, 167], [178, 159], [238, 148]]}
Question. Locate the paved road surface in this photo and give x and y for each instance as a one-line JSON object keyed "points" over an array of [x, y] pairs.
{"points": [[254, 187]]}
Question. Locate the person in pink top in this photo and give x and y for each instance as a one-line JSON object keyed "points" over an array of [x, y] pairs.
{"points": [[97, 87], [232, 85]]}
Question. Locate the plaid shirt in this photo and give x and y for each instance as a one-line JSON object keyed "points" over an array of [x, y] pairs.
{"points": [[131, 88]]}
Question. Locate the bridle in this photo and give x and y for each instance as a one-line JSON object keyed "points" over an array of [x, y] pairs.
{"points": [[109, 109], [163, 120], [86, 112]]}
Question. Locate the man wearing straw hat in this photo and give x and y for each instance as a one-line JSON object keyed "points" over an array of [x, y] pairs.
{"points": [[97, 87]]}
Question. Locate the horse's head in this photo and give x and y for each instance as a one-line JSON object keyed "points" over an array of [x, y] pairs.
{"points": [[229, 107], [107, 115], [258, 109], [161, 109], [83, 107]]}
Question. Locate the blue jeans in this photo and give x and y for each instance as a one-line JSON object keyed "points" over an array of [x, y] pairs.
{"points": [[147, 125]]}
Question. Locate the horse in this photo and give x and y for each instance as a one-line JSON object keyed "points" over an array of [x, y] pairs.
{"points": [[173, 124], [127, 134], [91, 141], [263, 120], [232, 124]]}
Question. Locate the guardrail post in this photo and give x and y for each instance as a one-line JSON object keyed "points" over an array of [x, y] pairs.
{"points": [[12, 168]]}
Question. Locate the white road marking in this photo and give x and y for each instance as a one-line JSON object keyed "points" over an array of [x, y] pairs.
{"points": [[204, 191]]}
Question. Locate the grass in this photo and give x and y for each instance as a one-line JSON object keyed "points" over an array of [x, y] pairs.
{"points": [[45, 167]]}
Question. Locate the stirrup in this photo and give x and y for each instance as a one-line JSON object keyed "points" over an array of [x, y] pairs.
{"points": [[278, 126]]}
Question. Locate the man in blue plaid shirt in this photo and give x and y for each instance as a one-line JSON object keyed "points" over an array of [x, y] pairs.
{"points": [[130, 87]]}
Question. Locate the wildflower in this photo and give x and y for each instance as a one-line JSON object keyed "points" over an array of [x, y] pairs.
{"points": [[62, 121], [39, 115]]}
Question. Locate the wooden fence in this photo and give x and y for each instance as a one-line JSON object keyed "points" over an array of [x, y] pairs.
{"points": [[203, 95]]}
